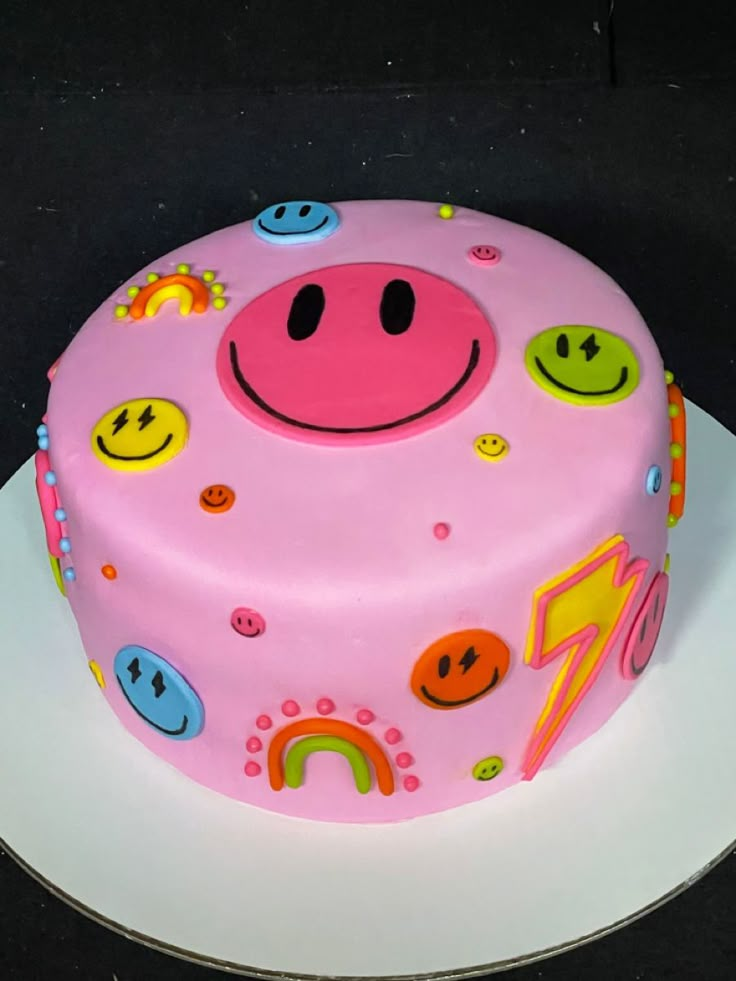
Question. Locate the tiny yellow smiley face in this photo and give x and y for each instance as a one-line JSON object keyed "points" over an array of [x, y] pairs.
{"points": [[140, 434], [582, 365], [491, 446]]}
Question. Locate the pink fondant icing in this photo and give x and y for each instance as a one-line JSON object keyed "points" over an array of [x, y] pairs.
{"points": [[48, 500], [332, 539]]}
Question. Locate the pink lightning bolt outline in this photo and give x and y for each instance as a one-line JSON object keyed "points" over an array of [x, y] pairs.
{"points": [[617, 548]]}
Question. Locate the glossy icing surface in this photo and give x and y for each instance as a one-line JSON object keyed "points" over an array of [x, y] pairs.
{"points": [[332, 540]]}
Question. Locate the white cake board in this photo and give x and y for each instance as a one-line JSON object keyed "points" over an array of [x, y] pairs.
{"points": [[626, 821]]}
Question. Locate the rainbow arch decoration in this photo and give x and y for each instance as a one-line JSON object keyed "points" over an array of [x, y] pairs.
{"points": [[292, 745], [193, 294]]}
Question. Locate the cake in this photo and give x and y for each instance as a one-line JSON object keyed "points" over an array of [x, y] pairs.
{"points": [[362, 509]]}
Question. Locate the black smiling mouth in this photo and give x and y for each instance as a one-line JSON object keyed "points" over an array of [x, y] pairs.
{"points": [[463, 701], [623, 378], [145, 456], [343, 430], [492, 455], [298, 231], [167, 732], [210, 504]]}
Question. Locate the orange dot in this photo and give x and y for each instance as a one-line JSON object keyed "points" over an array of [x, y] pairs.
{"points": [[109, 572]]}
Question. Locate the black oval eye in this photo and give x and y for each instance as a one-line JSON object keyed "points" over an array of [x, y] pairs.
{"points": [[563, 346], [280, 211], [443, 668], [397, 306], [307, 308], [304, 210]]}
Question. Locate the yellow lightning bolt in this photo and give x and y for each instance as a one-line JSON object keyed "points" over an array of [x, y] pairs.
{"points": [[580, 613]]}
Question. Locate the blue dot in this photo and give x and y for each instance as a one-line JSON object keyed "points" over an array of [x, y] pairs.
{"points": [[43, 442], [69, 574], [60, 514], [654, 480], [42, 430], [65, 545], [50, 478]]}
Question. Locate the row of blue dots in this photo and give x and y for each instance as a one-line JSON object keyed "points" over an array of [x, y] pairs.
{"points": [[60, 514]]}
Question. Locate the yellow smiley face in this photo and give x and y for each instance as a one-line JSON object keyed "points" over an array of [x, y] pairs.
{"points": [[491, 446], [140, 434], [582, 365]]}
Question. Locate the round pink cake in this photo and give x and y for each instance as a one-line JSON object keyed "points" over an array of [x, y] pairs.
{"points": [[362, 509]]}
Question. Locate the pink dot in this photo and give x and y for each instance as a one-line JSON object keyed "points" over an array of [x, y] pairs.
{"points": [[254, 745], [365, 717], [252, 769], [441, 530], [411, 784], [404, 759], [392, 736], [325, 706], [264, 722], [290, 708]]}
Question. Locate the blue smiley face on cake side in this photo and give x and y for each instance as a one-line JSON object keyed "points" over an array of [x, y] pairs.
{"points": [[158, 694], [296, 222]]}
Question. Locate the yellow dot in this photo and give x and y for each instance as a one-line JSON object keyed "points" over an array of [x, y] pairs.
{"points": [[121, 311], [219, 303], [675, 488], [217, 288], [152, 277], [208, 275], [673, 410], [133, 290], [97, 672], [446, 211], [669, 377], [675, 450], [183, 268], [672, 520], [666, 563]]}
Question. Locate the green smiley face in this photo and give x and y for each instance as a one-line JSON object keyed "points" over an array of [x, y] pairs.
{"points": [[583, 365]]}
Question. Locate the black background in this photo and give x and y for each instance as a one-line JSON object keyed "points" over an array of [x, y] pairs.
{"points": [[130, 129]]}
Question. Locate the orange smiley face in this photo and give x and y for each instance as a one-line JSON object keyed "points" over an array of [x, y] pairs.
{"points": [[460, 668], [217, 498]]}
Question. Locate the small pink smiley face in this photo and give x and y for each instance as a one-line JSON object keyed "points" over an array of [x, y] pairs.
{"points": [[247, 623], [645, 630], [484, 255], [360, 353]]}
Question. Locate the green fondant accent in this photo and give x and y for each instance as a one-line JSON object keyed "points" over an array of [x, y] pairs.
{"points": [[294, 762]]}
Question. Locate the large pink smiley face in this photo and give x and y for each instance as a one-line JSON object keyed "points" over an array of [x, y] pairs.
{"points": [[360, 353]]}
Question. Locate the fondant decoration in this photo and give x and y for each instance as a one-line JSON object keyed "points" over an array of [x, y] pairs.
{"points": [[580, 613], [247, 622], [441, 530], [50, 478], [60, 514], [666, 568], [488, 768], [158, 693], [140, 434], [404, 760], [583, 365], [678, 427], [290, 708], [217, 498], [192, 294], [264, 722], [97, 672], [65, 545], [325, 706], [653, 482], [56, 570], [484, 255], [491, 446], [294, 762], [645, 629], [252, 769], [446, 211], [460, 668], [359, 353], [69, 574], [254, 745], [411, 783], [365, 717], [296, 222], [109, 572], [351, 734], [392, 736], [49, 502], [51, 373]]}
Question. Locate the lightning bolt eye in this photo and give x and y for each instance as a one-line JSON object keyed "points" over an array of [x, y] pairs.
{"points": [[590, 347], [146, 418], [135, 670], [119, 421], [468, 659], [158, 684]]}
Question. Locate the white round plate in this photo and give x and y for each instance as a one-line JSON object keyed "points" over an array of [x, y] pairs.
{"points": [[626, 820]]}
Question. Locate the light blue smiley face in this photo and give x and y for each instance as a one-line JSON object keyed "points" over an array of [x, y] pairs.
{"points": [[296, 222], [158, 693], [654, 480]]}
